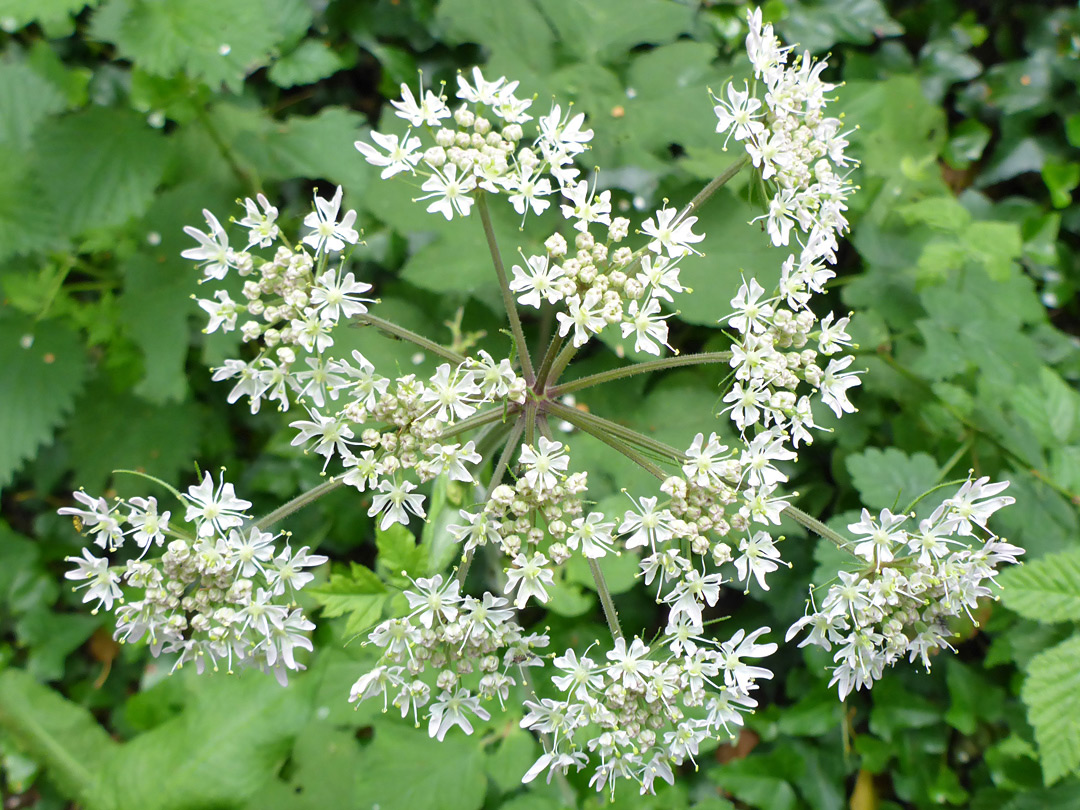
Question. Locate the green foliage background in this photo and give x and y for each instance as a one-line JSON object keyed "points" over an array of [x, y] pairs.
{"points": [[121, 119]]}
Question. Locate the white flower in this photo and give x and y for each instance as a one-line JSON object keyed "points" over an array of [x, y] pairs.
{"points": [[98, 519], [484, 92], [262, 225], [738, 114], [530, 192], [336, 296], [286, 570], [214, 511], [758, 558], [585, 316], [629, 666], [648, 325], [147, 524], [332, 434], [451, 193], [452, 458], [750, 316], [541, 466], [881, 537], [834, 386], [593, 535], [452, 393], [528, 576], [558, 135], [705, 461], [587, 208], [100, 583], [251, 549], [739, 646], [758, 456], [833, 336], [402, 154], [648, 526], [430, 111], [432, 600], [538, 282], [213, 248], [670, 235], [661, 274], [450, 710], [967, 507], [581, 675], [395, 500], [327, 234], [222, 312]]}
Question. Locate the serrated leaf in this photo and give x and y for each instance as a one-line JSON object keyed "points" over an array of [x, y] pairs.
{"points": [[516, 32], [360, 594], [112, 431], [311, 61], [1046, 589], [1052, 694], [100, 167], [227, 743], [818, 26], [26, 99], [60, 734], [23, 228], [24, 12], [42, 369], [890, 478], [399, 555], [451, 777], [601, 30], [209, 43]]}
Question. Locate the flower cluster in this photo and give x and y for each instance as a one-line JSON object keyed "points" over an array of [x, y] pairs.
{"points": [[469, 645], [913, 583], [221, 591]]}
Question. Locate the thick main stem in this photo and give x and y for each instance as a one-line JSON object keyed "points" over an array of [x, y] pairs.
{"points": [[639, 368], [714, 186], [504, 287], [401, 332]]}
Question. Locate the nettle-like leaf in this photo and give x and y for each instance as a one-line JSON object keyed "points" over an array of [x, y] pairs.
{"points": [[26, 99], [1046, 589], [99, 168], [42, 369], [1052, 695]]}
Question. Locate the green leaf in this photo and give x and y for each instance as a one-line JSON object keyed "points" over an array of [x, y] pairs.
{"points": [[322, 773], [399, 555], [994, 245], [23, 12], [819, 25], [404, 769], [159, 440], [62, 735], [1052, 694], [890, 478], [311, 61], [1061, 178], [1046, 589], [193, 36], [360, 594], [42, 370], [516, 32], [598, 30], [1050, 408], [967, 143], [943, 213], [99, 167], [24, 228], [227, 743], [26, 99]]}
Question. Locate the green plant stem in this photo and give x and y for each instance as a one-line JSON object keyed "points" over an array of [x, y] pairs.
{"points": [[560, 363], [474, 421], [614, 443], [242, 174], [605, 599], [819, 528], [593, 424], [504, 287], [297, 503], [402, 333], [549, 357], [639, 368], [496, 479], [714, 186]]}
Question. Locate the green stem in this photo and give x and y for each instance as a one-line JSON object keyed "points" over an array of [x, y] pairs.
{"points": [[594, 424], [549, 357], [504, 288], [639, 368], [243, 175], [605, 599], [401, 332], [819, 528], [496, 479], [297, 503], [714, 186], [560, 363], [474, 421], [158, 481], [615, 444]]}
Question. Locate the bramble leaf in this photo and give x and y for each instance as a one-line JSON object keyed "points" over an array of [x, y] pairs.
{"points": [[1052, 695], [1046, 589]]}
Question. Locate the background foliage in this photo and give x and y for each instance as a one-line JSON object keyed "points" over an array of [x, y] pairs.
{"points": [[121, 119]]}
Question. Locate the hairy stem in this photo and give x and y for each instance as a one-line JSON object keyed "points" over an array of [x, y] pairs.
{"points": [[226, 151], [615, 444], [400, 332], [474, 421], [819, 528], [714, 186], [504, 287], [605, 599], [594, 425], [549, 357], [297, 503], [560, 363], [640, 368]]}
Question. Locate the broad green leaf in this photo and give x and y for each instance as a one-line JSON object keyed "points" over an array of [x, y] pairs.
{"points": [[817, 26], [209, 43], [324, 763], [111, 431], [229, 741], [1050, 408], [603, 31], [404, 769], [42, 370], [60, 734], [23, 12], [942, 213], [399, 555], [1061, 178], [99, 167], [1046, 589], [516, 32], [994, 245], [1052, 695], [360, 594], [51, 636], [890, 478], [311, 61], [24, 228], [26, 99]]}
